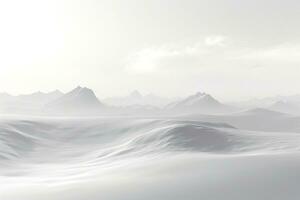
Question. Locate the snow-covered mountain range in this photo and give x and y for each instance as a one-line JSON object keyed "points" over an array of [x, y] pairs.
{"points": [[82, 100], [199, 103]]}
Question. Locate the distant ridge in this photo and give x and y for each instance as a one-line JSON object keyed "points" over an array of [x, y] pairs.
{"points": [[41, 97], [82, 100], [36, 97], [198, 103], [259, 112], [135, 98], [79, 100], [285, 107], [136, 94]]}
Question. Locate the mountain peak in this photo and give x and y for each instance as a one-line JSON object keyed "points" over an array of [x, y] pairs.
{"points": [[82, 92], [285, 107], [80, 99], [199, 94], [199, 102], [201, 98], [78, 88], [57, 92], [136, 94], [260, 111]]}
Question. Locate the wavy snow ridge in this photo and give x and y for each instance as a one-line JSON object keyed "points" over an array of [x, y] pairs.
{"points": [[72, 146], [133, 159]]}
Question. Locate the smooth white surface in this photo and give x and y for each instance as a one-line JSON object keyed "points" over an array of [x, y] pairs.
{"points": [[130, 158]]}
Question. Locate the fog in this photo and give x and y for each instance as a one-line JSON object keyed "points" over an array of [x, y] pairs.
{"points": [[149, 100]]}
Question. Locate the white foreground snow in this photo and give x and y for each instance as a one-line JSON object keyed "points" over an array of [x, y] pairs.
{"points": [[144, 159]]}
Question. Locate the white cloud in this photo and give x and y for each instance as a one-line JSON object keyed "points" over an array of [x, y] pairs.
{"points": [[228, 69], [171, 57], [148, 60], [217, 40], [211, 54]]}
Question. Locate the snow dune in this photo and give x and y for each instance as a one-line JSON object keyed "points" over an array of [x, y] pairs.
{"points": [[130, 158]]}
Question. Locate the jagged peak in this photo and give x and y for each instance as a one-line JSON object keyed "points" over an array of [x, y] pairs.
{"points": [[136, 94], [56, 92], [78, 88], [83, 92], [200, 96]]}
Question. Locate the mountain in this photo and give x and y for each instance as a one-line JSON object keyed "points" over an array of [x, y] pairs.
{"points": [[80, 100], [136, 98], [26, 104], [259, 112], [199, 103], [285, 107], [269, 102], [40, 97], [34, 98], [136, 95]]}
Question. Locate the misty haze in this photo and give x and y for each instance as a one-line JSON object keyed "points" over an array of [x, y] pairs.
{"points": [[149, 100]]}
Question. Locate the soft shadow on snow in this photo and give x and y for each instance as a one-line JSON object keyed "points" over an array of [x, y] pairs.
{"points": [[127, 158]]}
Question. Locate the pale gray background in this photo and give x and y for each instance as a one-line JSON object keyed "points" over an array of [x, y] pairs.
{"points": [[232, 49]]}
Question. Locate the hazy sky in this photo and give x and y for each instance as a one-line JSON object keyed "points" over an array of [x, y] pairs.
{"points": [[229, 48]]}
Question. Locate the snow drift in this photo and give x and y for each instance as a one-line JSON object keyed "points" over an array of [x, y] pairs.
{"points": [[131, 158]]}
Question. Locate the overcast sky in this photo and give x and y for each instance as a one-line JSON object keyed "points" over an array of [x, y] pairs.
{"points": [[232, 49]]}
